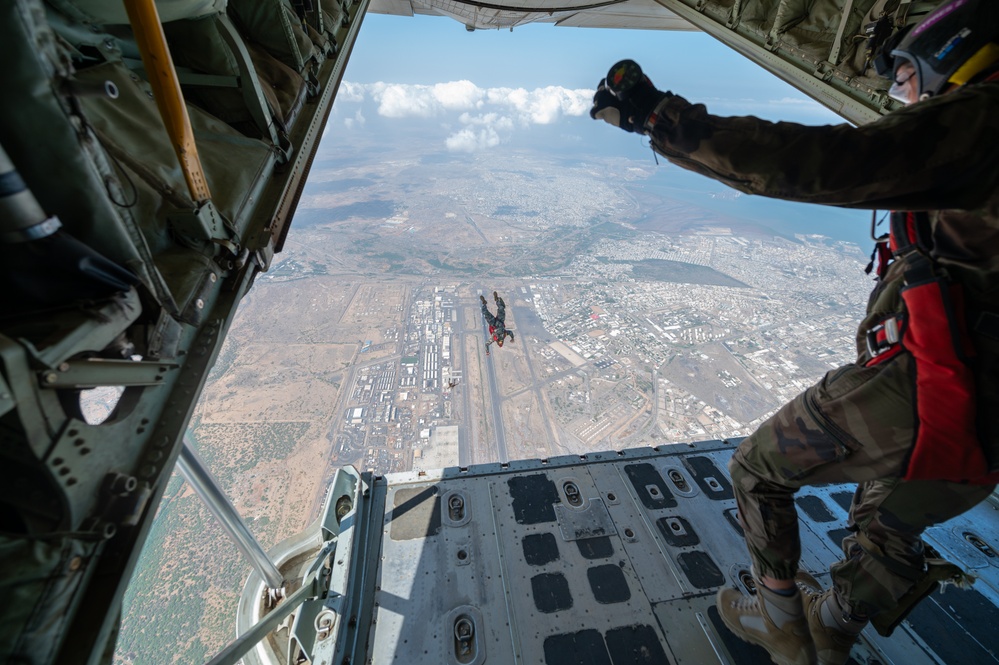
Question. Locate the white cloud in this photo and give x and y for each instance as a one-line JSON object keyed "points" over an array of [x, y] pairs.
{"points": [[350, 92], [542, 106], [489, 115], [458, 95], [400, 101], [358, 120], [791, 101], [470, 140], [494, 120]]}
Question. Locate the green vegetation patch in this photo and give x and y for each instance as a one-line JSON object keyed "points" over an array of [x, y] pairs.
{"points": [[186, 558], [230, 448], [613, 231], [676, 272]]}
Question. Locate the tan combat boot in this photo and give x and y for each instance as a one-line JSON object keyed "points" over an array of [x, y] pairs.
{"points": [[775, 622], [833, 635]]}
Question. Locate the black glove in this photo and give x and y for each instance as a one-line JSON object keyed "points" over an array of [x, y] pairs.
{"points": [[631, 99], [614, 111]]}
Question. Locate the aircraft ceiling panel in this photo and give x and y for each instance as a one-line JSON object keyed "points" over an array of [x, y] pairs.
{"points": [[634, 14], [393, 7], [484, 15]]}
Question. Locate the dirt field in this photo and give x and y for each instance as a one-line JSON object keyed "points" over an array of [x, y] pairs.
{"points": [[524, 428], [278, 383]]}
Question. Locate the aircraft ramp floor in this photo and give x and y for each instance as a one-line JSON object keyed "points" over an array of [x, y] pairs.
{"points": [[614, 559]]}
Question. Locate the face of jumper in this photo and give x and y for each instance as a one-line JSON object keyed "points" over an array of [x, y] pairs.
{"points": [[906, 86]]}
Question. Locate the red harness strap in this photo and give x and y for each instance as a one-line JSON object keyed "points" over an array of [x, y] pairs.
{"points": [[947, 445], [933, 330]]}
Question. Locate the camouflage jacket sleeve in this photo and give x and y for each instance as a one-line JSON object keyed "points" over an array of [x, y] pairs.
{"points": [[936, 154]]}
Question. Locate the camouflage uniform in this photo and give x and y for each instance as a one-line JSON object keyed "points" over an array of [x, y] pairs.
{"points": [[497, 324], [858, 423]]}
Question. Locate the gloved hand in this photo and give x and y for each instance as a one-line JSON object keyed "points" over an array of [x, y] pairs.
{"points": [[617, 112], [626, 97]]}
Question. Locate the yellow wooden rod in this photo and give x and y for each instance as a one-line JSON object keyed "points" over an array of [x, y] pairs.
{"points": [[166, 88]]}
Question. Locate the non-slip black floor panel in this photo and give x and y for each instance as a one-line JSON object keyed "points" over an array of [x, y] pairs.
{"points": [[551, 592], [712, 480], [635, 645], [959, 625], [650, 486], [677, 531], [533, 498], [700, 569], [540, 549], [815, 508], [608, 584], [583, 648], [595, 548], [837, 536], [844, 499]]}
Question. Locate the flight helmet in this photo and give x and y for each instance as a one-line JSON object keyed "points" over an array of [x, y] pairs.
{"points": [[951, 44]]}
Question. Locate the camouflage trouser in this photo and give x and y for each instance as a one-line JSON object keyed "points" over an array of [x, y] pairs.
{"points": [[497, 321], [856, 425]]}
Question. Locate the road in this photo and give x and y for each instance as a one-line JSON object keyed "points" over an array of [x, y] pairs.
{"points": [[460, 392], [529, 330], [495, 398]]}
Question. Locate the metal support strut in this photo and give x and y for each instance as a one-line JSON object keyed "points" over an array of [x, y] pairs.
{"points": [[195, 473]]}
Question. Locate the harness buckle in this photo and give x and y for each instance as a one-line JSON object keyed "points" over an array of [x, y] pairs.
{"points": [[883, 336]]}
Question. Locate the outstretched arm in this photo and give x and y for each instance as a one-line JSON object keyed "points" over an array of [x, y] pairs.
{"points": [[927, 156], [916, 158]]}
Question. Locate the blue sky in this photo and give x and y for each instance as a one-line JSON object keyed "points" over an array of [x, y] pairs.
{"points": [[482, 89], [428, 50]]}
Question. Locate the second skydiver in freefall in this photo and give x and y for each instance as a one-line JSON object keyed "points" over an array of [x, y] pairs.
{"points": [[497, 324], [912, 421]]}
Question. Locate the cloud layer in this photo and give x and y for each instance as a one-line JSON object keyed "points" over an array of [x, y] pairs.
{"points": [[473, 118], [487, 116]]}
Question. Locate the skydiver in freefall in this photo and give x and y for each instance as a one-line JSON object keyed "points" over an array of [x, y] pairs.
{"points": [[497, 326]]}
